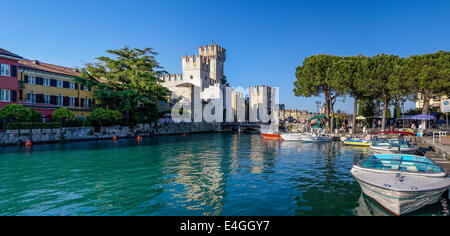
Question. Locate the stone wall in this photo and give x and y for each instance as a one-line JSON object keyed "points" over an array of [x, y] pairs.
{"points": [[20, 137]]}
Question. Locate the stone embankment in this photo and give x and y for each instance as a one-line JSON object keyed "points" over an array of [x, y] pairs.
{"points": [[19, 137]]}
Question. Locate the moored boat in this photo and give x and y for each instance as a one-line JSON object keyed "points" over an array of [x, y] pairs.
{"points": [[315, 138], [291, 136], [391, 147], [358, 142], [401, 183]]}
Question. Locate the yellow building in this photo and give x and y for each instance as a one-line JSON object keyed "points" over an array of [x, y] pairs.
{"points": [[45, 87], [434, 102]]}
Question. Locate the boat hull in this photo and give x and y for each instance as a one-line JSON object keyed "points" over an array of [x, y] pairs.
{"points": [[316, 139], [401, 203], [357, 143], [291, 137], [390, 149], [272, 136]]}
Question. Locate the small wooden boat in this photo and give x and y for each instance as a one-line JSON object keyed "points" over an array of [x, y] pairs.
{"points": [[401, 183]]}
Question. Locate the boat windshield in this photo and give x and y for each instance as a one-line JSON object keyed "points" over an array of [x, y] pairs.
{"points": [[398, 162]]}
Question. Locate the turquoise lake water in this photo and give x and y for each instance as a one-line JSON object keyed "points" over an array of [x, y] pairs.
{"points": [[201, 174]]}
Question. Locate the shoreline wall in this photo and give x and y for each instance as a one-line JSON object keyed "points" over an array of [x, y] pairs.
{"points": [[36, 136]]}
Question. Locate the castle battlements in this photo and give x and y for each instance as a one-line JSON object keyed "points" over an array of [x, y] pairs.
{"points": [[174, 77], [213, 50], [195, 59], [195, 62]]}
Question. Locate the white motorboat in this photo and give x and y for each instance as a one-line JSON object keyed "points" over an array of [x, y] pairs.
{"points": [[386, 147], [315, 138], [291, 136], [401, 183]]}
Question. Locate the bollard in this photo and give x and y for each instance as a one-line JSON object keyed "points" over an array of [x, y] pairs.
{"points": [[28, 143]]}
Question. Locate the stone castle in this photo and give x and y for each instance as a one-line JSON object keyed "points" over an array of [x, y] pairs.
{"points": [[204, 70]]}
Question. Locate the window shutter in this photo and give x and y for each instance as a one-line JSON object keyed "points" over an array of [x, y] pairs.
{"points": [[53, 82], [26, 79], [65, 84], [77, 102], [13, 96], [13, 71], [76, 85]]}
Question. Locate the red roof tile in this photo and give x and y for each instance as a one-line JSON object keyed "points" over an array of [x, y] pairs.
{"points": [[37, 65]]}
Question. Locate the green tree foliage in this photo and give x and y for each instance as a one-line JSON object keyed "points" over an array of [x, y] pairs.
{"points": [[397, 112], [380, 81], [35, 116], [388, 113], [16, 113], [366, 108], [427, 75], [314, 77], [63, 114], [349, 75], [127, 82], [100, 117]]}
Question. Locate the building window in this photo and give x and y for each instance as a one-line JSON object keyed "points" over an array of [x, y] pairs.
{"points": [[59, 100], [5, 70], [72, 85], [46, 81], [31, 80], [31, 97], [86, 102], [59, 83], [5, 95], [72, 101], [47, 99]]}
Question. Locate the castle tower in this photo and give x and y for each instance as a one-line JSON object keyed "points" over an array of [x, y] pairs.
{"points": [[196, 70], [216, 56]]}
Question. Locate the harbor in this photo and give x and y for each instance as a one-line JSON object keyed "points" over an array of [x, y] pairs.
{"points": [[197, 174], [225, 115]]}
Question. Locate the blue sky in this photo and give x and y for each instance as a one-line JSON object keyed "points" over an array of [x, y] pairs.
{"points": [[265, 40]]}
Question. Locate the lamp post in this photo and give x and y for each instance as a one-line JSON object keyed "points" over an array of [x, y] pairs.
{"points": [[403, 113]]}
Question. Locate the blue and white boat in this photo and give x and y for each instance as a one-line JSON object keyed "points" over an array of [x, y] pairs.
{"points": [[401, 183], [393, 146]]}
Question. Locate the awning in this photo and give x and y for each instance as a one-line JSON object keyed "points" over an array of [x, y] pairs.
{"points": [[317, 117]]}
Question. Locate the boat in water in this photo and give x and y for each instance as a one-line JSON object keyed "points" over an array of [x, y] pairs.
{"points": [[401, 183], [358, 142], [315, 138], [394, 147], [292, 136]]}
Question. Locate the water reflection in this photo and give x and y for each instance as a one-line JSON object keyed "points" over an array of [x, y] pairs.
{"points": [[204, 174], [367, 207]]}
